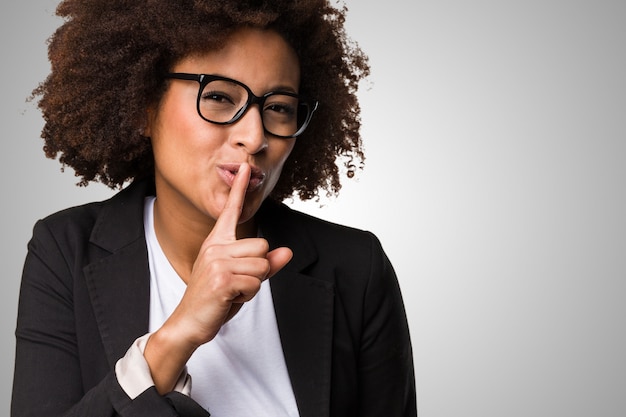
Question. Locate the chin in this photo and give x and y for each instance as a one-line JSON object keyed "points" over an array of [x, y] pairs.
{"points": [[250, 207], [248, 213]]}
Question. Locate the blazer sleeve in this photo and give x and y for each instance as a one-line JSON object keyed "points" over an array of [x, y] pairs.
{"points": [[48, 370], [386, 371]]}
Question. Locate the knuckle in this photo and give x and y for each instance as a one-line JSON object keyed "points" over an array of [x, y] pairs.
{"points": [[214, 251], [219, 280], [261, 246], [264, 266]]}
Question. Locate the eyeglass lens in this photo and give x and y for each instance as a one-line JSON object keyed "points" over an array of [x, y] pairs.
{"points": [[222, 101]]}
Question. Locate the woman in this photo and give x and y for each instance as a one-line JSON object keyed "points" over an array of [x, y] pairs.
{"points": [[194, 288]]}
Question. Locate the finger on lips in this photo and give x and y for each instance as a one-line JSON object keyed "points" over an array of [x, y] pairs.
{"points": [[226, 224]]}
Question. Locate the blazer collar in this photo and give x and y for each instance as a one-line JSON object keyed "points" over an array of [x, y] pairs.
{"points": [[304, 310], [119, 280], [121, 220], [119, 287]]}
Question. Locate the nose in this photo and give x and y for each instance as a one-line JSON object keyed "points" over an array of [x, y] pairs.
{"points": [[248, 132]]}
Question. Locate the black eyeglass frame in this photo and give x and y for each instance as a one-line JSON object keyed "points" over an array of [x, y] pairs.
{"points": [[204, 79]]}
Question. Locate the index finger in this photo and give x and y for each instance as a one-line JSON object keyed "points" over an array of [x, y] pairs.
{"points": [[226, 224]]}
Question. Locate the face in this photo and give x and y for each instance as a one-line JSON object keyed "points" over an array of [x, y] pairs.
{"points": [[195, 160]]}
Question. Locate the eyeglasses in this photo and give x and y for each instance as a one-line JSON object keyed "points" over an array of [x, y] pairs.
{"points": [[224, 101]]}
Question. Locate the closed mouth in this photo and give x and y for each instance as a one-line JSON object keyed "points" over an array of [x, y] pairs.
{"points": [[229, 171]]}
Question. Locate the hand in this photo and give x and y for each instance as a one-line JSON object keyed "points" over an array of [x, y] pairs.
{"points": [[226, 273]]}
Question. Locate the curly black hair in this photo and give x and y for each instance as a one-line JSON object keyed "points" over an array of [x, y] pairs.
{"points": [[107, 64]]}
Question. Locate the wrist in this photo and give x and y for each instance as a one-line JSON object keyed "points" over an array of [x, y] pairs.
{"points": [[166, 355]]}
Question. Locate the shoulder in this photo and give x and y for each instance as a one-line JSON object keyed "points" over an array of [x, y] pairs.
{"points": [[351, 261], [64, 233], [71, 219], [295, 224], [324, 245], [77, 225]]}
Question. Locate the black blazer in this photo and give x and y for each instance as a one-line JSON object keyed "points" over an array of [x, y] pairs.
{"points": [[84, 299]]}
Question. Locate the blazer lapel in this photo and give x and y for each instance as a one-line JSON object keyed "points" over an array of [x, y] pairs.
{"points": [[119, 281], [304, 312]]}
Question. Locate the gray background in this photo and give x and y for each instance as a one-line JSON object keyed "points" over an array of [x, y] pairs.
{"points": [[496, 137]]}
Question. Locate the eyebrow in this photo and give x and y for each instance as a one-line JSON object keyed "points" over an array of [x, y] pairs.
{"points": [[277, 88]]}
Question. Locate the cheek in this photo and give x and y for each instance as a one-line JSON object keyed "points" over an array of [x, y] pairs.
{"points": [[279, 157], [179, 136], [281, 153], [285, 150], [175, 118]]}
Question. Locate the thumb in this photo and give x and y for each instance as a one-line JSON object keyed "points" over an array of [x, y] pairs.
{"points": [[278, 258]]}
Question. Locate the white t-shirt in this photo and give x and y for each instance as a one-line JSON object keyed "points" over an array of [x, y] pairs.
{"points": [[242, 371]]}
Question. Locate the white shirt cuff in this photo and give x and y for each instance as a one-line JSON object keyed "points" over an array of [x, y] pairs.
{"points": [[133, 373]]}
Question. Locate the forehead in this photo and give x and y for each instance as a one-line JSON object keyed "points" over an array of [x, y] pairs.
{"points": [[260, 58]]}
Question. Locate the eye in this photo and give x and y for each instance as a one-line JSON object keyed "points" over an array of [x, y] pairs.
{"points": [[217, 98], [281, 105], [282, 108]]}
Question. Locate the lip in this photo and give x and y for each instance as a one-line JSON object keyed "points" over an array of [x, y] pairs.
{"points": [[228, 172]]}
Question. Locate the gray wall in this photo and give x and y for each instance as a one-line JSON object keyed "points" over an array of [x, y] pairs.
{"points": [[496, 137]]}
